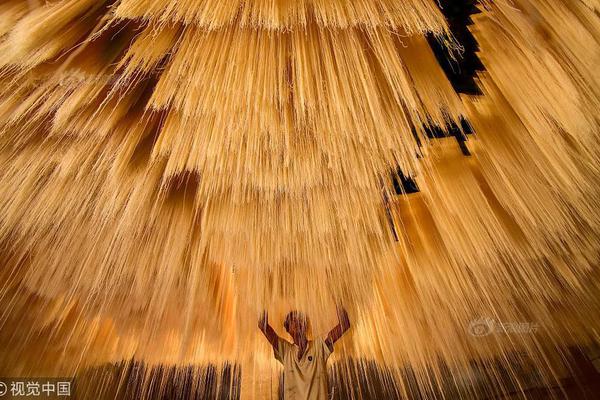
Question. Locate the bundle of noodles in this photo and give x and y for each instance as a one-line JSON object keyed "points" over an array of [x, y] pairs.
{"points": [[170, 169]]}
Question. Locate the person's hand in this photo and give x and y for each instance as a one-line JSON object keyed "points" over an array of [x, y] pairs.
{"points": [[263, 321], [343, 316]]}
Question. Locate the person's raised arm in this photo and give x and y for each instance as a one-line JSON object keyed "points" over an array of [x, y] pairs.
{"points": [[267, 330], [338, 331]]}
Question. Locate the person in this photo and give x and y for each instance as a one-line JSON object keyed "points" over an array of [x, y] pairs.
{"points": [[304, 361]]}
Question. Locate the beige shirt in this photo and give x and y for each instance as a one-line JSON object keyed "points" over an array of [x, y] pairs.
{"points": [[304, 379]]}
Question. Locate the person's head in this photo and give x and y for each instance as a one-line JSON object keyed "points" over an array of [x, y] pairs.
{"points": [[296, 324]]}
